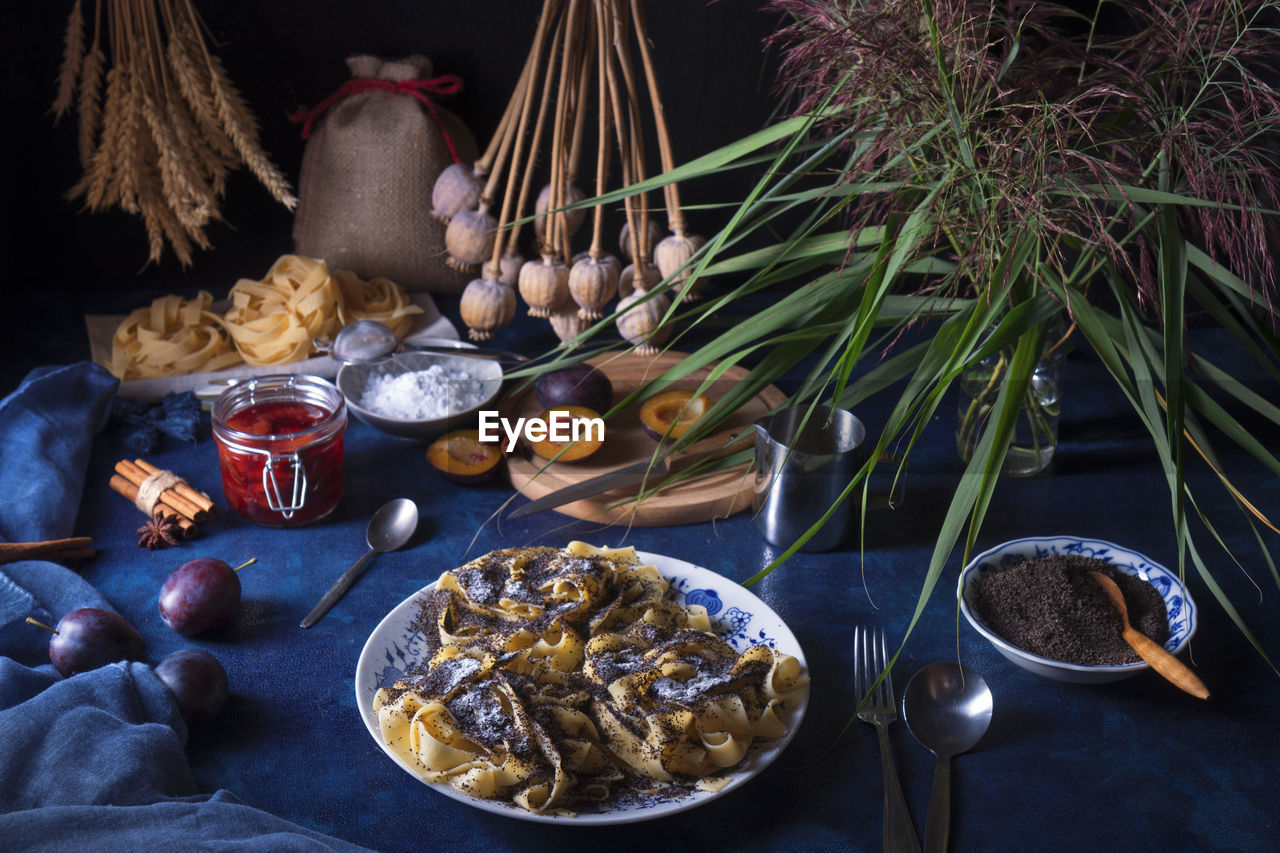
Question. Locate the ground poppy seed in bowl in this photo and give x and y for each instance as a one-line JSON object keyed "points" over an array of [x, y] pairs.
{"points": [[1051, 607]]}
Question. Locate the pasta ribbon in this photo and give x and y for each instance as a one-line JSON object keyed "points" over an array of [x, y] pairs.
{"points": [[558, 677], [273, 321], [270, 322], [171, 337], [378, 299]]}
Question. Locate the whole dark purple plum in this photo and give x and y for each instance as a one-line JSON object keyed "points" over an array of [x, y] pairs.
{"points": [[200, 595], [197, 681], [576, 385], [88, 638]]}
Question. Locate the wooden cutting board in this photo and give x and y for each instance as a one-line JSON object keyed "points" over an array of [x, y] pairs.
{"points": [[714, 495]]}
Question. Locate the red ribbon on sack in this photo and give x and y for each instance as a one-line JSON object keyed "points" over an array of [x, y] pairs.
{"points": [[445, 84]]}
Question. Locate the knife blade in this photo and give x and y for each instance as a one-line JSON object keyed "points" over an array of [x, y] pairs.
{"points": [[645, 471]]}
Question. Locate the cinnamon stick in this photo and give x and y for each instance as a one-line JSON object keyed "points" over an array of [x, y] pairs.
{"points": [[129, 489], [200, 499], [73, 548], [168, 497]]}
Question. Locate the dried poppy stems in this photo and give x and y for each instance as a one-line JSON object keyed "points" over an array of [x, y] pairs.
{"points": [[585, 42]]}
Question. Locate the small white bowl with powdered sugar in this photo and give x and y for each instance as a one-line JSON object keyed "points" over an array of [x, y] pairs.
{"points": [[420, 395]]}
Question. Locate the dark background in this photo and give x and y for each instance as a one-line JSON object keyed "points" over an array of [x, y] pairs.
{"points": [[58, 263]]}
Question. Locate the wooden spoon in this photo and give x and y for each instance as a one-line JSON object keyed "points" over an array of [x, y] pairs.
{"points": [[1152, 652]]}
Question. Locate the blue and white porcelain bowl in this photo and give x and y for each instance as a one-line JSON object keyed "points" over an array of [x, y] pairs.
{"points": [[1182, 610]]}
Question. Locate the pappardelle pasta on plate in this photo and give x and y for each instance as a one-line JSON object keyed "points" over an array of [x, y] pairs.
{"points": [[565, 680]]}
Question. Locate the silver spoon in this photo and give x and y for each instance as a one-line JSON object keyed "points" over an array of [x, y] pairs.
{"points": [[389, 529], [367, 341], [947, 706]]}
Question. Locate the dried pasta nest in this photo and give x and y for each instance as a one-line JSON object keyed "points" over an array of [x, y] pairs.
{"points": [[171, 336], [275, 320], [379, 299], [271, 321]]}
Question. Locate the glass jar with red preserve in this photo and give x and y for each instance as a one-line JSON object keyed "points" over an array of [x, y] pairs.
{"points": [[280, 448]]}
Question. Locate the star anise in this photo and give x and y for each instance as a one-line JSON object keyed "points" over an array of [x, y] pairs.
{"points": [[160, 531]]}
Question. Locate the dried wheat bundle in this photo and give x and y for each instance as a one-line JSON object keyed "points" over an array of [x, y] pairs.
{"points": [[160, 123]]}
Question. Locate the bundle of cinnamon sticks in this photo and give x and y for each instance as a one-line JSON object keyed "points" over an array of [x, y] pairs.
{"points": [[177, 500]]}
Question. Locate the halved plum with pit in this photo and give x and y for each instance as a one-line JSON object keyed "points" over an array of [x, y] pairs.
{"points": [[570, 429], [670, 414], [461, 457]]}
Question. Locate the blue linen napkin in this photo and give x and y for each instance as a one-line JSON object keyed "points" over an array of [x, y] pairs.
{"points": [[46, 432], [95, 760]]}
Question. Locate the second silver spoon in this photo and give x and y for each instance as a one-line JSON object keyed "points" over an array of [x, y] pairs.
{"points": [[947, 706]]}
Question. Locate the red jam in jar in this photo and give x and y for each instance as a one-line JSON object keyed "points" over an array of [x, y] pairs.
{"points": [[280, 448]]}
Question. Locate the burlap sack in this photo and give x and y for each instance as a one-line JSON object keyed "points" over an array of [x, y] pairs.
{"points": [[364, 196]]}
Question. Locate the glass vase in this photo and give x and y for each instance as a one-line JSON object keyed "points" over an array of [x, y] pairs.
{"points": [[1035, 432]]}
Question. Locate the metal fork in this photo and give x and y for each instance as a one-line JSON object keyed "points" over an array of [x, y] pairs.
{"points": [[878, 707]]}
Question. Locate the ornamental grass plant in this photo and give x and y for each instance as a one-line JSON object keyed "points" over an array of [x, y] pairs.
{"points": [[1000, 170]]}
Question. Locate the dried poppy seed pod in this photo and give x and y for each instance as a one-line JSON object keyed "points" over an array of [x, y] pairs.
{"points": [[509, 267], [604, 258], [568, 322], [544, 285], [640, 322], [593, 283], [624, 237], [469, 238], [571, 219], [457, 188], [672, 253], [627, 282], [486, 305]]}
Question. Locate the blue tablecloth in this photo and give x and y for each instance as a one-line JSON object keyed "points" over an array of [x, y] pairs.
{"points": [[1134, 765], [96, 760]]}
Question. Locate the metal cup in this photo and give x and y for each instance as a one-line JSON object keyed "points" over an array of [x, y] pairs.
{"points": [[801, 468]]}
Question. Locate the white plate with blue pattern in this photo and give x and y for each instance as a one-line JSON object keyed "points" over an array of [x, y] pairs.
{"points": [[1181, 609], [737, 615]]}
